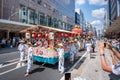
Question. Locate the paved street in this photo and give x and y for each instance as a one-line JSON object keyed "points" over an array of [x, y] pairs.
{"points": [[8, 71]]}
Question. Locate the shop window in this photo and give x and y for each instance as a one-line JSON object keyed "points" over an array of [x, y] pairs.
{"points": [[49, 21], [23, 14], [59, 24], [52, 22], [55, 23], [31, 16], [42, 18], [36, 17], [39, 18]]}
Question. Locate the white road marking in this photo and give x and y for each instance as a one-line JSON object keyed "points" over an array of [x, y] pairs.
{"points": [[1, 65], [75, 65], [10, 70], [13, 60], [9, 64]]}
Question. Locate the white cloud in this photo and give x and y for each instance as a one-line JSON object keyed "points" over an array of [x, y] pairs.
{"points": [[97, 2], [96, 23], [98, 13], [80, 2]]}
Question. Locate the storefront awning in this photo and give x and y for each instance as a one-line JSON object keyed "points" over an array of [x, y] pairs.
{"points": [[13, 26]]}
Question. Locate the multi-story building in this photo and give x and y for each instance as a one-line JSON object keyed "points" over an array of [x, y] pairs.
{"points": [[95, 32], [80, 14], [51, 13], [113, 10], [113, 15], [118, 7], [99, 33], [77, 18], [106, 20]]}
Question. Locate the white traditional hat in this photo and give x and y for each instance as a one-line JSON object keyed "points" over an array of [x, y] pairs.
{"points": [[29, 43], [60, 44], [75, 40], [21, 41]]}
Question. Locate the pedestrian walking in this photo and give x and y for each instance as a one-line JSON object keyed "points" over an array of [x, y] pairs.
{"points": [[60, 51], [84, 44], [29, 58], [21, 48], [93, 45], [17, 39], [89, 47], [77, 47], [72, 51]]}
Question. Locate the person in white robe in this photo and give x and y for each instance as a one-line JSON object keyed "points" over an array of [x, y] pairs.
{"points": [[29, 58], [60, 51]]}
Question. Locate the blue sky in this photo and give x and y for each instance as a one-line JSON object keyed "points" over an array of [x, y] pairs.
{"points": [[93, 10]]}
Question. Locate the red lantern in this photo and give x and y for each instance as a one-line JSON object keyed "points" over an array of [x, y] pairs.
{"points": [[46, 36], [59, 34], [33, 35], [72, 35], [66, 35], [40, 35]]}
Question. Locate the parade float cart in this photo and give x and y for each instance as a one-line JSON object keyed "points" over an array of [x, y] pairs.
{"points": [[47, 54]]}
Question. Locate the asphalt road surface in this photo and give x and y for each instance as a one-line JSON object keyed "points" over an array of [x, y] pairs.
{"points": [[9, 58]]}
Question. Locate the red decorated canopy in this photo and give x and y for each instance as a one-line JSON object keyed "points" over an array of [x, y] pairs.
{"points": [[77, 30]]}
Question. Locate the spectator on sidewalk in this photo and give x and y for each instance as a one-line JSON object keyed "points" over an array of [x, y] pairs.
{"points": [[84, 43], [115, 68], [8, 43], [13, 42], [88, 46], [17, 41], [3, 43]]}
